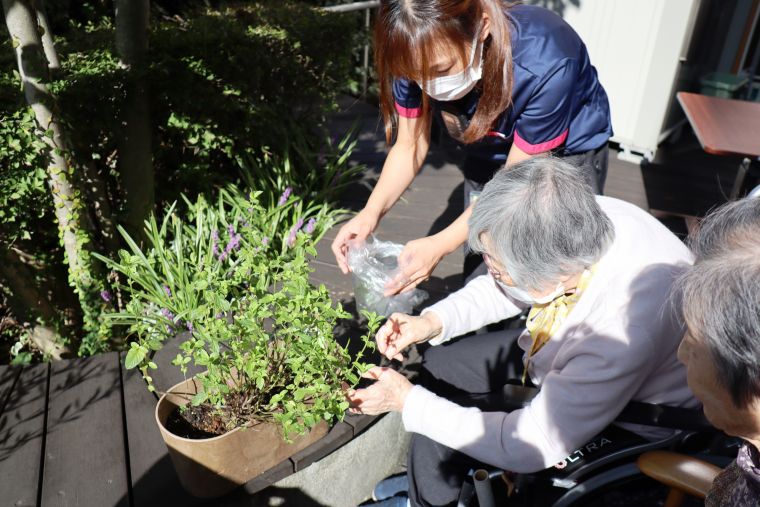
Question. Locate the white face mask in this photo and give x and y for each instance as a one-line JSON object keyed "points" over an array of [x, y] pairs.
{"points": [[525, 297], [446, 88]]}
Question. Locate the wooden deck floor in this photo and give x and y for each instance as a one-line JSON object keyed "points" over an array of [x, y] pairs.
{"points": [[82, 433]]}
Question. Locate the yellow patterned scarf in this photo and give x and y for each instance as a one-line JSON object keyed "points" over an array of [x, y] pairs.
{"points": [[544, 320]]}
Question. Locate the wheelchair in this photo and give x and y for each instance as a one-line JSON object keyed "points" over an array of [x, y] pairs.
{"points": [[602, 473]]}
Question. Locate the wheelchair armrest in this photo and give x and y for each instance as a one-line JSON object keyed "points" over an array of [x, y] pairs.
{"points": [[684, 473], [636, 412]]}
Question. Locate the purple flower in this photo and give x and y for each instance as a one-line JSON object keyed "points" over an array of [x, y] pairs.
{"points": [[167, 291], [284, 197], [310, 226], [215, 242], [265, 241], [293, 234], [166, 313], [234, 244], [105, 296], [219, 315], [190, 326]]}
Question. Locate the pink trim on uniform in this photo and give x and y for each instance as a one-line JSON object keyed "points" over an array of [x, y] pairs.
{"points": [[408, 112], [532, 149]]}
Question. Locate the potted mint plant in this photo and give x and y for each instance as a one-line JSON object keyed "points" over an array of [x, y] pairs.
{"points": [[232, 279]]}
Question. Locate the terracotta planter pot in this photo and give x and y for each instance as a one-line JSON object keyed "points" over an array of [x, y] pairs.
{"points": [[211, 467]]}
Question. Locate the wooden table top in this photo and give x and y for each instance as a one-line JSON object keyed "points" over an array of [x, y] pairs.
{"points": [[723, 126]]}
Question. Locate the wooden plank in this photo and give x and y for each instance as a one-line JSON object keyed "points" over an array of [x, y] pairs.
{"points": [[274, 474], [625, 181], [154, 481], [340, 434], [360, 422], [22, 430], [8, 377], [85, 460]]}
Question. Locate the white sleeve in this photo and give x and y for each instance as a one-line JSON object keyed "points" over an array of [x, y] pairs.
{"points": [[574, 404], [479, 303]]}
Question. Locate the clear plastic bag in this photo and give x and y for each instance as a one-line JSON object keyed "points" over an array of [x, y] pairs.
{"points": [[373, 264]]}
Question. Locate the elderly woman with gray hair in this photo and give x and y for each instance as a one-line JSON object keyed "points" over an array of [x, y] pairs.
{"points": [[721, 348], [596, 274]]}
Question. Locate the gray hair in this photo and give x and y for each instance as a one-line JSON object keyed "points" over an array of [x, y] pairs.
{"points": [[543, 221], [721, 295]]}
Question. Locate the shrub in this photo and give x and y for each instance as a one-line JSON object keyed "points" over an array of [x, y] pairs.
{"points": [[234, 275]]}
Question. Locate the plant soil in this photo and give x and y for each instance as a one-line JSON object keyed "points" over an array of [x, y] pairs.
{"points": [[195, 423]]}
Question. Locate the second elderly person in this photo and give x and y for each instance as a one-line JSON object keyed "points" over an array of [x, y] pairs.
{"points": [[597, 274], [721, 306]]}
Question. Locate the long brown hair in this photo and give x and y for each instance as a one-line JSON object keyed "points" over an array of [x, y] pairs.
{"points": [[407, 32]]}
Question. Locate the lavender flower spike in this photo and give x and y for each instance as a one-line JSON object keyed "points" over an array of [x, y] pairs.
{"points": [[214, 242], [166, 313], [105, 296], [310, 226], [265, 241], [291, 238], [293, 234], [167, 291], [284, 197]]}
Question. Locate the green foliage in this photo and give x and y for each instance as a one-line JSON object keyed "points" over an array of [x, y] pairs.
{"points": [[248, 77], [233, 278], [22, 176], [235, 93]]}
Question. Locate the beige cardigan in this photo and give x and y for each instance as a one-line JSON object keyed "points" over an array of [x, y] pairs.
{"points": [[618, 344]]}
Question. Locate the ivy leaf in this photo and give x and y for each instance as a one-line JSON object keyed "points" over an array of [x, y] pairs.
{"points": [[134, 357], [199, 398]]}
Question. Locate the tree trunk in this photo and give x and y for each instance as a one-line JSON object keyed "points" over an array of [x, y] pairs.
{"points": [[72, 224], [46, 35], [29, 304], [135, 162]]}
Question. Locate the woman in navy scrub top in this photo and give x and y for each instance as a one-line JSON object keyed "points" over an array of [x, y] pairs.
{"points": [[506, 82]]}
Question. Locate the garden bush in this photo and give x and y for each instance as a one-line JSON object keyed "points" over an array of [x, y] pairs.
{"points": [[236, 94], [231, 278]]}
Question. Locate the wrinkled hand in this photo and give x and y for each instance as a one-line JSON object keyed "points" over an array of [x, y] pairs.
{"points": [[416, 263], [386, 395], [402, 330], [355, 230]]}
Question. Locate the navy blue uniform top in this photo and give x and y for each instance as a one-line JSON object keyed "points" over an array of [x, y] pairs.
{"points": [[557, 100]]}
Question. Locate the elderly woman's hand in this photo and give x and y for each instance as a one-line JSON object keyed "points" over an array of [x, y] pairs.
{"points": [[416, 263], [401, 330], [386, 395]]}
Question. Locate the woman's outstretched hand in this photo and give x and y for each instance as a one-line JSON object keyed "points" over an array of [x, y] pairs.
{"points": [[387, 394], [355, 230], [402, 330]]}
